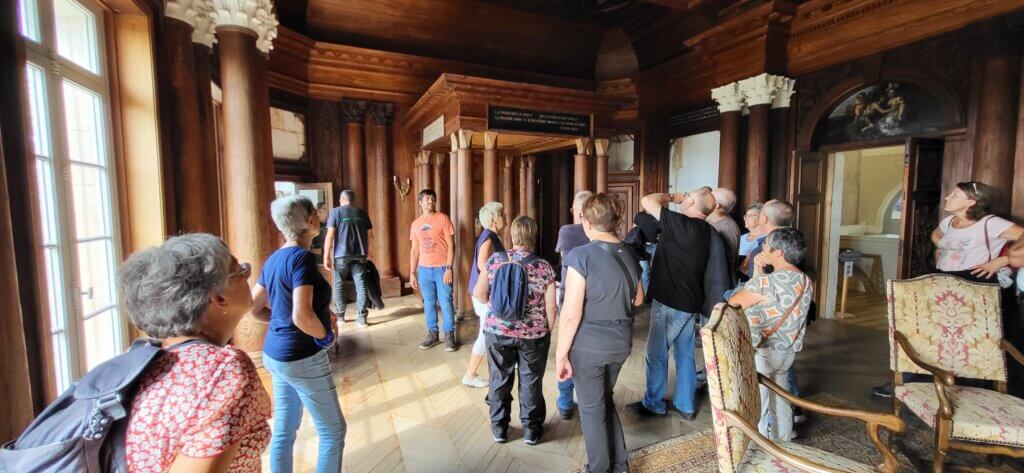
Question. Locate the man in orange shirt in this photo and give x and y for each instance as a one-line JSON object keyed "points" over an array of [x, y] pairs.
{"points": [[431, 257]]}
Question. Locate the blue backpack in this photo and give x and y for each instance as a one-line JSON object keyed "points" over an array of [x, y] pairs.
{"points": [[84, 430], [510, 287]]}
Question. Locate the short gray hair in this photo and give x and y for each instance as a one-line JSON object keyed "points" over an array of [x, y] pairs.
{"points": [[779, 213], [580, 198], [167, 288], [291, 215], [725, 198], [790, 241], [349, 195], [489, 212]]}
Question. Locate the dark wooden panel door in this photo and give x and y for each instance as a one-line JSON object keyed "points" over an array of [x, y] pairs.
{"points": [[811, 175], [922, 199], [628, 195]]}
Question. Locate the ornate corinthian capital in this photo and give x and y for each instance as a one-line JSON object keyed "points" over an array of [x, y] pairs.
{"points": [[204, 25], [728, 97], [758, 90], [784, 90], [256, 15], [183, 10]]}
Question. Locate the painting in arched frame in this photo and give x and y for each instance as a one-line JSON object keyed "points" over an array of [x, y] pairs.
{"points": [[882, 110]]}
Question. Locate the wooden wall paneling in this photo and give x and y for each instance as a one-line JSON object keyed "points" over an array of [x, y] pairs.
{"points": [[21, 195], [324, 127], [996, 127], [956, 161], [406, 210], [1017, 208]]}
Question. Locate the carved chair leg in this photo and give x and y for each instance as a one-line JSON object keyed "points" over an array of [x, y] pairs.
{"points": [[942, 432], [896, 407]]}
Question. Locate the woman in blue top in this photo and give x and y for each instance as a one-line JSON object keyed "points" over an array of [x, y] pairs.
{"points": [[301, 327], [492, 218]]}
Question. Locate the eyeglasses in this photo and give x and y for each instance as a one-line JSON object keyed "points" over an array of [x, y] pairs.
{"points": [[244, 270]]}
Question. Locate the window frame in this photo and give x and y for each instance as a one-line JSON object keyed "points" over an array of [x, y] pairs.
{"points": [[56, 70]]}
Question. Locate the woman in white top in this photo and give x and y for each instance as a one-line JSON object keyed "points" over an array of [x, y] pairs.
{"points": [[970, 240]]}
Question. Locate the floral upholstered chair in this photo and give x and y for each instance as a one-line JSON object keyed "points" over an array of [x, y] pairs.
{"points": [[733, 384], [949, 328]]}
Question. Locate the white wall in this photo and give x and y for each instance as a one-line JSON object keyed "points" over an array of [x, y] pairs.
{"points": [[693, 162]]}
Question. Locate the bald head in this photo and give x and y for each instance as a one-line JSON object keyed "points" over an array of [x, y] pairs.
{"points": [[777, 214], [703, 203], [725, 198]]}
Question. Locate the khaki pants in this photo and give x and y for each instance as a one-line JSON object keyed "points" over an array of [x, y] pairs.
{"points": [[775, 365]]}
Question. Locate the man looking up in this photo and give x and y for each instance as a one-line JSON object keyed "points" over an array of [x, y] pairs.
{"points": [[345, 248], [431, 256], [677, 288], [725, 200], [569, 237]]}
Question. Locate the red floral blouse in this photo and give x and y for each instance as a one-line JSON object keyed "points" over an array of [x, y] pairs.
{"points": [[198, 401]]}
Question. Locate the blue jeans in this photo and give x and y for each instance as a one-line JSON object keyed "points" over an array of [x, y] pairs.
{"points": [[434, 290], [564, 401], [343, 267], [308, 383], [645, 267], [670, 329]]}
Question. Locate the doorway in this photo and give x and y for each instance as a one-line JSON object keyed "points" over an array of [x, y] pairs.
{"points": [[865, 217]]}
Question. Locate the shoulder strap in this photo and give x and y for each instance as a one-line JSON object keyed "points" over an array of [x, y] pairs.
{"points": [[782, 320], [630, 280], [984, 229]]}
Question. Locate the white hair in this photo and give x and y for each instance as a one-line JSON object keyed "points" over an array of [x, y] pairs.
{"points": [[580, 198], [291, 215], [489, 212], [726, 198]]}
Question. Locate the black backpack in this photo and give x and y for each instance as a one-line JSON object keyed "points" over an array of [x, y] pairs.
{"points": [[84, 429]]}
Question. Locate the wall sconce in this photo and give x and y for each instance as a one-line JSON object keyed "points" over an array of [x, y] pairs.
{"points": [[401, 186]]}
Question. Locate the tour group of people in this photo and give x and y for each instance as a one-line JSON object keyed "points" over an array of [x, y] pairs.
{"points": [[202, 407]]}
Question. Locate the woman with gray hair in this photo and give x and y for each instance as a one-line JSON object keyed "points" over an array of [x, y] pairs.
{"points": [[776, 301], [492, 218], [200, 406], [301, 327]]}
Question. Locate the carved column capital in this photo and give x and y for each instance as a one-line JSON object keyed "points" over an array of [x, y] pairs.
{"points": [[509, 160], [490, 140], [353, 111], [462, 139], [204, 25], [582, 145], [728, 97], [183, 10], [529, 161], [601, 147], [758, 90], [423, 158], [380, 113], [784, 88], [438, 159], [255, 15]]}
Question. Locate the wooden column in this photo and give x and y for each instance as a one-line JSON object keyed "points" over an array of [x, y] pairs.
{"points": [[601, 164], [192, 190], [202, 44], [529, 164], [1017, 209], [437, 164], [490, 166], [996, 127], [424, 171], [248, 161], [780, 139], [353, 113], [381, 197], [464, 237], [730, 102], [758, 92], [508, 195], [524, 205], [581, 166]]}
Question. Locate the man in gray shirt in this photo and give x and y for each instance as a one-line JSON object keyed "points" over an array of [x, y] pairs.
{"points": [[569, 237], [725, 200], [345, 248]]}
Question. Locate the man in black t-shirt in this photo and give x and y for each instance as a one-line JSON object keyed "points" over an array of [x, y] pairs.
{"points": [[345, 249], [677, 288]]}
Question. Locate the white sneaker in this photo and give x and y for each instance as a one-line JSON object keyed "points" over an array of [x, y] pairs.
{"points": [[474, 382]]}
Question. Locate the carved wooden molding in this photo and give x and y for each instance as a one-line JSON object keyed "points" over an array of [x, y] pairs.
{"points": [[255, 15], [353, 111], [490, 140], [582, 145], [601, 147], [380, 113]]}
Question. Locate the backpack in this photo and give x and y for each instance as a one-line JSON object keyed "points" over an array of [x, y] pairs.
{"points": [[84, 429], [510, 287]]}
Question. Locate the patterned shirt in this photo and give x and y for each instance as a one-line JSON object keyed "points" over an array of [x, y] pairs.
{"points": [[540, 275], [780, 290], [198, 401]]}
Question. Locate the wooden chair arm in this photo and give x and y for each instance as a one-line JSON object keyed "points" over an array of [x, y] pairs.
{"points": [[733, 419], [940, 374], [1012, 351], [875, 422]]}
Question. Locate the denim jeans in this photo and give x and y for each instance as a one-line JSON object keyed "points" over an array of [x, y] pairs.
{"points": [[564, 401], [645, 267], [356, 266], [435, 291], [670, 329], [775, 411], [306, 383]]}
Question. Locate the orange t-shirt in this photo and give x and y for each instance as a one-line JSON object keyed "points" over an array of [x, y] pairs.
{"points": [[431, 234]]}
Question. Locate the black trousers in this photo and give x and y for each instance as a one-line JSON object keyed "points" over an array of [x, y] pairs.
{"points": [[595, 374], [504, 356]]}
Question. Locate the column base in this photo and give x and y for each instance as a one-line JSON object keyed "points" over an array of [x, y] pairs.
{"points": [[391, 287]]}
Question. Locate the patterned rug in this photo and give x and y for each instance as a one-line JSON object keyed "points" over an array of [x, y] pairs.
{"points": [[695, 452]]}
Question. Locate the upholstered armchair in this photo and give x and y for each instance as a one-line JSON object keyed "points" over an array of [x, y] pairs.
{"points": [[949, 328], [733, 384]]}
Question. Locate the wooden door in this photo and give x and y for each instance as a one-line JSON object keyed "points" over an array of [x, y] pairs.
{"points": [[628, 195], [922, 193], [811, 189]]}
